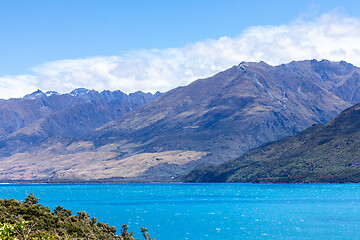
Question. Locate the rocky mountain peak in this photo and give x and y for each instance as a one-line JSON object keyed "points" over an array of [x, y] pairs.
{"points": [[35, 95], [79, 92]]}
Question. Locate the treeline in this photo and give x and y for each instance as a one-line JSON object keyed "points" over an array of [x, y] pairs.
{"points": [[29, 220]]}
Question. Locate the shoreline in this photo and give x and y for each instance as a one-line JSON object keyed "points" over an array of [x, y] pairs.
{"points": [[7, 182], [33, 182]]}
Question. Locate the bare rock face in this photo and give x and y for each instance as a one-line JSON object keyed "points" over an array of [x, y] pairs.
{"points": [[212, 120]]}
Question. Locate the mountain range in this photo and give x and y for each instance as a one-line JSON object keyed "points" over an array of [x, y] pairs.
{"points": [[27, 121], [209, 121]]}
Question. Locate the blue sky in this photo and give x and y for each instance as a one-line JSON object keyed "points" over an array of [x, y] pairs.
{"points": [[41, 38]]}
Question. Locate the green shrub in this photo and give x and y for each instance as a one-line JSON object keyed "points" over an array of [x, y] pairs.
{"points": [[31, 221]]}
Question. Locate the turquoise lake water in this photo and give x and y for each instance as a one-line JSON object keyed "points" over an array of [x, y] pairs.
{"points": [[212, 211]]}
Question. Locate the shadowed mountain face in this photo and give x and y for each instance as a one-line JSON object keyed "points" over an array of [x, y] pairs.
{"points": [[209, 121], [322, 153]]}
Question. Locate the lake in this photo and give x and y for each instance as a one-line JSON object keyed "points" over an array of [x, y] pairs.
{"points": [[211, 211]]}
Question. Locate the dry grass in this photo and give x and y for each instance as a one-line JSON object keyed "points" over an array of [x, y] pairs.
{"points": [[87, 165]]}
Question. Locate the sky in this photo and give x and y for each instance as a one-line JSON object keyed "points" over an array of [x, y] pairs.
{"points": [[132, 45]]}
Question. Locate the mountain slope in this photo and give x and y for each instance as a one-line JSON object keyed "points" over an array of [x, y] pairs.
{"points": [[227, 114], [209, 121], [339, 78], [322, 153], [17, 113], [66, 115]]}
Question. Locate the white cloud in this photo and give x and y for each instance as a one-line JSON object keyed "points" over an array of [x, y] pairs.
{"points": [[17, 86], [331, 36]]}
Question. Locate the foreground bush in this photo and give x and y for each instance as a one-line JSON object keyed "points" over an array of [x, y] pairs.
{"points": [[30, 220]]}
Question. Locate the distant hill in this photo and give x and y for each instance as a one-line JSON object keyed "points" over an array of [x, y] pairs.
{"points": [[321, 153], [211, 120]]}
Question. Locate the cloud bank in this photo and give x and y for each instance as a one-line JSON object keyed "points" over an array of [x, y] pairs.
{"points": [[331, 36]]}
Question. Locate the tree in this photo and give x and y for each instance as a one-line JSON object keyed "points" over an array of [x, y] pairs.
{"points": [[125, 234], [31, 199], [145, 234], [62, 212]]}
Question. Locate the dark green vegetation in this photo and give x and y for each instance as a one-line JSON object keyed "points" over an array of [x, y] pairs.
{"points": [[322, 153], [31, 220]]}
